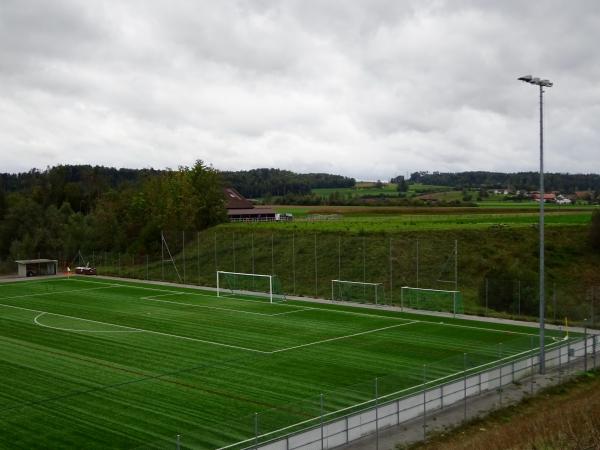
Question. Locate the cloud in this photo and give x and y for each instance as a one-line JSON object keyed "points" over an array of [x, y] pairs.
{"points": [[367, 89]]}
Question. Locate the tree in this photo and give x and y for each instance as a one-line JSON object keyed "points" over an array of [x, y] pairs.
{"points": [[2, 202], [595, 231], [208, 199], [401, 185]]}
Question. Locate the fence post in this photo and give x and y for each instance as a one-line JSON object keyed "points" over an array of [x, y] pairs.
{"points": [[316, 270], [593, 303], [293, 261], [321, 405], [183, 253], [198, 254], [500, 358], [585, 346], [486, 296], [178, 442], [255, 430], [417, 263], [560, 363], [339, 257], [531, 356], [215, 252], [568, 357], [424, 404], [233, 249], [146, 267], [554, 300], [391, 277], [376, 413], [519, 297], [594, 349], [465, 385]]}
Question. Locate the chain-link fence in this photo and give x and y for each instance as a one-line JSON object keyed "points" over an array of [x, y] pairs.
{"points": [[305, 263]]}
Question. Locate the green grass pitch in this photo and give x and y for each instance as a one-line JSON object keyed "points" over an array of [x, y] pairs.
{"points": [[100, 363]]}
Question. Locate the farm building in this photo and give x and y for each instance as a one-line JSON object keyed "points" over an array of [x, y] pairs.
{"points": [[240, 208], [37, 267]]}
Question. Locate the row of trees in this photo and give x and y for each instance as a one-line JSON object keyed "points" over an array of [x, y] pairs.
{"points": [[521, 180], [275, 182], [67, 208], [44, 218]]}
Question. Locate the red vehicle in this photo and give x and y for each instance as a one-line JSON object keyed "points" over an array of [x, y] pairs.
{"points": [[85, 270]]}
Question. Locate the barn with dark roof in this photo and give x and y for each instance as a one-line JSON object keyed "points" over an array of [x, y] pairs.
{"points": [[241, 209]]}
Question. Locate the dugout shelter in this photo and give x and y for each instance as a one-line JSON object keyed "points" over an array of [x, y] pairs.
{"points": [[37, 267]]}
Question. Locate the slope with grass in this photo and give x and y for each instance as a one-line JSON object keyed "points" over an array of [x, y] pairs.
{"points": [[564, 417]]}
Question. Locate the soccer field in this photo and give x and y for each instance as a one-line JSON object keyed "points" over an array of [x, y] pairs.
{"points": [[99, 363]]}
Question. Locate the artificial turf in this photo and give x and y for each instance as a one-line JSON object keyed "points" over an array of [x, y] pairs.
{"points": [[99, 363]]}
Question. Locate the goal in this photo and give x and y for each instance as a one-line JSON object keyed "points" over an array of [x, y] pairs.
{"points": [[357, 291], [432, 299], [232, 283]]}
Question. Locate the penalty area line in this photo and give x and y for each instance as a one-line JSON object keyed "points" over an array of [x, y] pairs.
{"points": [[342, 337]]}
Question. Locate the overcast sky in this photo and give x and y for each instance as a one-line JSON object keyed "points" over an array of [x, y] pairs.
{"points": [[369, 89]]}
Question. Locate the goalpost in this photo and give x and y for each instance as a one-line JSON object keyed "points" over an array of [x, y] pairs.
{"points": [[359, 291], [230, 283], [431, 299]]}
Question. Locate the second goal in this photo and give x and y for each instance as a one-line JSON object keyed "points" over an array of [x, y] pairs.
{"points": [[237, 283], [357, 291], [432, 299]]}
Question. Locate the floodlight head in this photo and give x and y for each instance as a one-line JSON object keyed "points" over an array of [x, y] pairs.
{"points": [[526, 78], [546, 83], [535, 80]]}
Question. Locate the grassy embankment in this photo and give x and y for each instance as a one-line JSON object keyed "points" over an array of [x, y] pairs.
{"points": [[563, 417], [383, 248]]}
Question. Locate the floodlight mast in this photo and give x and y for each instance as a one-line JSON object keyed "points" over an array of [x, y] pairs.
{"points": [[542, 83]]}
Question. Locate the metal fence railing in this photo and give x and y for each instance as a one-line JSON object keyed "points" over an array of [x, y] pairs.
{"points": [[330, 429]]}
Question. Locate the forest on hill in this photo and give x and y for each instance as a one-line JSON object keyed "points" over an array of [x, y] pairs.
{"points": [[67, 207], [529, 181], [70, 206]]}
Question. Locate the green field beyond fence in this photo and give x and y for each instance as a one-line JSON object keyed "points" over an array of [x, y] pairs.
{"points": [[98, 363]]}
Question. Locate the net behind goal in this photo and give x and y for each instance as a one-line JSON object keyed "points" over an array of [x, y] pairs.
{"points": [[432, 299], [356, 291], [232, 283]]}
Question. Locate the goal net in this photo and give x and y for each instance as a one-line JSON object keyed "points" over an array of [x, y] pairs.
{"points": [[232, 283], [432, 299], [356, 291]]}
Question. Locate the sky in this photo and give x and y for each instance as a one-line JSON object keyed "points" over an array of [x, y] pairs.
{"points": [[369, 89]]}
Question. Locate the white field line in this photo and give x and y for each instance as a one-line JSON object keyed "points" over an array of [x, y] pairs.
{"points": [[433, 383], [220, 344], [198, 294], [152, 298], [26, 283], [37, 322], [342, 337], [353, 313], [291, 312], [55, 292]]}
